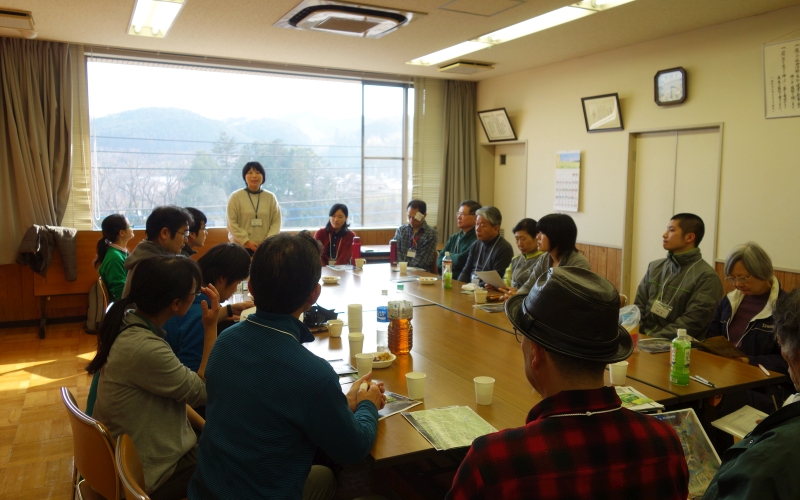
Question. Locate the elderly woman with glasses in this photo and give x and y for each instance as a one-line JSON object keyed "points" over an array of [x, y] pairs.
{"points": [[744, 316]]}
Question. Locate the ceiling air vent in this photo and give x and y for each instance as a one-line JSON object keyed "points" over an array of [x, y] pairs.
{"points": [[346, 18], [17, 23], [466, 67]]}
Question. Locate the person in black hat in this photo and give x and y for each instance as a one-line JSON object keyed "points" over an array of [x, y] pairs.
{"points": [[578, 442]]}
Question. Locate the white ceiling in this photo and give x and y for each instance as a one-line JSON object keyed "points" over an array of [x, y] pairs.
{"points": [[243, 29]]}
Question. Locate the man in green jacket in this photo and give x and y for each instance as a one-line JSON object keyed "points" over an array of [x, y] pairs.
{"points": [[459, 243], [763, 465], [682, 290]]}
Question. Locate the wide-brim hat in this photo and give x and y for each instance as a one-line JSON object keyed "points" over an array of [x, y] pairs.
{"points": [[573, 312]]}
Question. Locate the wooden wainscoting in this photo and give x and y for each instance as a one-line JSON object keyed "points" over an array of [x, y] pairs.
{"points": [[605, 261], [788, 280], [21, 288]]}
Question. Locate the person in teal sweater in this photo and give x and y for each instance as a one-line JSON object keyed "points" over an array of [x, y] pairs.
{"points": [[459, 243], [112, 252]]}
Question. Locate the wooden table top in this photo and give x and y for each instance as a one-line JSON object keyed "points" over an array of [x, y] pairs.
{"points": [[353, 288]]}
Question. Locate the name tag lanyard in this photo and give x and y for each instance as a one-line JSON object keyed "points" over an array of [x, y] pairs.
{"points": [[332, 246], [488, 257], [412, 248], [659, 302], [255, 206]]}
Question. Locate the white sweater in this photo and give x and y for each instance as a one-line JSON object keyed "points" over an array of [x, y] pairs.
{"points": [[241, 212]]}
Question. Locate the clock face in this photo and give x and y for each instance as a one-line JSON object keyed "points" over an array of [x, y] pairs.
{"points": [[671, 86]]}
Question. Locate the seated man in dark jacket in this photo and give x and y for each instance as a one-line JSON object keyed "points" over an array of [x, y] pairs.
{"points": [[491, 251]]}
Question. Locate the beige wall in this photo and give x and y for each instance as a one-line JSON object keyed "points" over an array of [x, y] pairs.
{"points": [[760, 181]]}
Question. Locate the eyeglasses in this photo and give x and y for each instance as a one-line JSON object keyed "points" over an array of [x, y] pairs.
{"points": [[462, 214], [737, 281], [186, 234], [518, 335]]}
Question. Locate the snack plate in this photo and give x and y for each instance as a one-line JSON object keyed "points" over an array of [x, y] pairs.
{"points": [[383, 364], [426, 280], [330, 280]]}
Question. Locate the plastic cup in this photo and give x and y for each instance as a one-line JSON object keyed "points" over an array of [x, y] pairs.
{"points": [[619, 372], [354, 319], [416, 385], [360, 263], [484, 386], [403, 267], [480, 296], [335, 327], [356, 343], [363, 363]]}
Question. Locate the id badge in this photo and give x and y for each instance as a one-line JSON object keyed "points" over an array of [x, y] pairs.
{"points": [[331, 262], [411, 254], [256, 222], [661, 309]]}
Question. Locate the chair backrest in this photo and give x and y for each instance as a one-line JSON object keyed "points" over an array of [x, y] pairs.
{"points": [[129, 467], [106, 294], [93, 448]]}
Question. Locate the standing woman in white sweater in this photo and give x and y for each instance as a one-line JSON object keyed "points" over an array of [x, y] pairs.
{"points": [[253, 213]]}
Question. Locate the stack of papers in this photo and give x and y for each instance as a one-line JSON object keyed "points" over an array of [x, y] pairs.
{"points": [[654, 345], [449, 427], [636, 401], [741, 422], [395, 403]]}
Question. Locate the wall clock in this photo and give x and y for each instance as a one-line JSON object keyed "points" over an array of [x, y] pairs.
{"points": [[670, 86]]}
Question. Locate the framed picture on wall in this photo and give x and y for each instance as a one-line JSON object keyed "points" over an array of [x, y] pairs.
{"points": [[497, 125], [602, 113]]}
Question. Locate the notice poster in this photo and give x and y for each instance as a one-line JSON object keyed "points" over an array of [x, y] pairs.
{"points": [[568, 181], [782, 79]]}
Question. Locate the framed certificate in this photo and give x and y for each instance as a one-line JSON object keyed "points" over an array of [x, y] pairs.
{"points": [[602, 113], [497, 125]]}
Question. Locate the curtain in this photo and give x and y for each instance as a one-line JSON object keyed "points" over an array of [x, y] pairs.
{"points": [[35, 137], [426, 173], [79, 207], [460, 172]]}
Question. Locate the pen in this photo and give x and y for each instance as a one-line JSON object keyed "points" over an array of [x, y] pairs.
{"points": [[763, 369], [702, 380]]}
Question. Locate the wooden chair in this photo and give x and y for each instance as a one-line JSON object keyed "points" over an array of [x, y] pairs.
{"points": [[93, 449], [129, 467]]}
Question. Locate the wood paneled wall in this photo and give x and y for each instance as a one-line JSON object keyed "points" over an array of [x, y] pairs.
{"points": [[788, 280], [605, 261], [20, 302]]}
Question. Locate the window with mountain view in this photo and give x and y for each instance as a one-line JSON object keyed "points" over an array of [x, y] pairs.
{"points": [[168, 135]]}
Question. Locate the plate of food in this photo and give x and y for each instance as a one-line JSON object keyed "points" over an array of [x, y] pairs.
{"points": [[330, 280], [382, 359], [427, 280]]}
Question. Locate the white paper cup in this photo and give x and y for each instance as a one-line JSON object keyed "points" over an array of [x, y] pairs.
{"points": [[363, 363], [403, 267], [354, 319], [356, 343], [619, 373], [335, 327], [480, 296], [416, 385], [484, 386], [360, 263]]}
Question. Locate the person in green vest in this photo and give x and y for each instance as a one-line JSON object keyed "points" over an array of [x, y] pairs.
{"points": [[520, 268]]}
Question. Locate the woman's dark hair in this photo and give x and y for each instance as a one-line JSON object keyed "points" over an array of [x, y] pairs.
{"points": [[335, 208], [226, 260], [562, 232], [527, 225], [111, 226], [155, 284], [285, 270], [166, 216], [253, 165]]}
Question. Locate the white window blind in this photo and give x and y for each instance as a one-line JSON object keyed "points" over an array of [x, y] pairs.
{"points": [[79, 207], [428, 144]]}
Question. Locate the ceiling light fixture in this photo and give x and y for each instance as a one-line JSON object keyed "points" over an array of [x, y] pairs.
{"points": [[153, 18], [524, 28]]}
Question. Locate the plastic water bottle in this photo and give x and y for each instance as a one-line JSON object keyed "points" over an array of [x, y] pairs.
{"points": [[447, 271], [382, 330], [679, 358], [400, 331]]}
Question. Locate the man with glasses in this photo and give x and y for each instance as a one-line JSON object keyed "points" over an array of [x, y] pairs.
{"points": [[491, 251], [167, 229], [197, 232], [459, 243], [578, 442], [682, 290]]}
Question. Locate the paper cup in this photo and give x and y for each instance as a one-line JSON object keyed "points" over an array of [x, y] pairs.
{"points": [[480, 296], [354, 319], [356, 343], [360, 263], [403, 267], [364, 363], [484, 386], [619, 373], [335, 327], [416, 385]]}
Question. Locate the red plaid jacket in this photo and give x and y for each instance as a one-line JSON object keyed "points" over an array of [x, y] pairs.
{"points": [[612, 453]]}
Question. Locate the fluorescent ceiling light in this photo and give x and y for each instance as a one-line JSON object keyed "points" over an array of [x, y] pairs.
{"points": [[154, 18], [524, 28], [450, 53]]}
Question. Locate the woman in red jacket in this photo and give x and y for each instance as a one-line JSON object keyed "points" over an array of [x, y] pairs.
{"points": [[336, 237]]}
